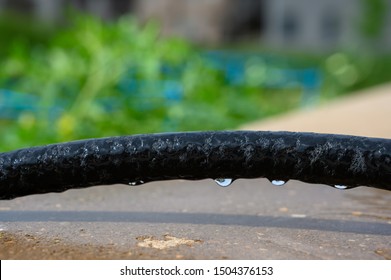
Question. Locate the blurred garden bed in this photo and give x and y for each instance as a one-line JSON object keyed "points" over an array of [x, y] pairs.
{"points": [[95, 79]]}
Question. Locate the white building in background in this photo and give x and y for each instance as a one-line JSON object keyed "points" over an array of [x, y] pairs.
{"points": [[308, 24], [321, 24], [311, 25]]}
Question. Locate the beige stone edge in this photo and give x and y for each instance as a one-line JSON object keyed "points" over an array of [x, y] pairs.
{"points": [[366, 113]]}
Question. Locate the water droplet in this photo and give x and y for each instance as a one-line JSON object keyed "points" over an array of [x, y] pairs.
{"points": [[136, 183], [278, 182], [340, 187], [223, 182]]}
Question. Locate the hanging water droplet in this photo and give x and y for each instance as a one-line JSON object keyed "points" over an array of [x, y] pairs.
{"points": [[223, 182], [136, 183], [340, 187], [278, 182]]}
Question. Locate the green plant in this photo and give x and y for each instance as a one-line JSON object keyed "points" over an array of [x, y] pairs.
{"points": [[346, 72], [373, 18], [95, 78]]}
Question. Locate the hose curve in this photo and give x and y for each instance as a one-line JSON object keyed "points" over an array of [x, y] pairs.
{"points": [[309, 157]]}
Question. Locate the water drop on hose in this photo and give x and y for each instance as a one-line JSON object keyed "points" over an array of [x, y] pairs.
{"points": [[278, 182], [136, 183], [223, 182]]}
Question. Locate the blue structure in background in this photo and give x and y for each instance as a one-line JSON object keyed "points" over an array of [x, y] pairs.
{"points": [[280, 74], [146, 95], [12, 104], [149, 94]]}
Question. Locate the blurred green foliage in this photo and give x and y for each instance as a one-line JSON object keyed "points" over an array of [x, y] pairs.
{"points": [[82, 75], [375, 12], [18, 30], [347, 72], [94, 79]]}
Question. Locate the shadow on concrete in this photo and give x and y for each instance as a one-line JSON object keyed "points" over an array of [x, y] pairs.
{"points": [[198, 219]]}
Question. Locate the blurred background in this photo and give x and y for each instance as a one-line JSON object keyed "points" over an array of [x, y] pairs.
{"points": [[73, 69]]}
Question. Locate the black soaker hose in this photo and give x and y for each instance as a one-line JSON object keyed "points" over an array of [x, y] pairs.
{"points": [[309, 157]]}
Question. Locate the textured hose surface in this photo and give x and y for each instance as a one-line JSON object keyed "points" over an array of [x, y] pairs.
{"points": [[309, 157]]}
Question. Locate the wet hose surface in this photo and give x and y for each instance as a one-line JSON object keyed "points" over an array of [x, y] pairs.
{"points": [[309, 157]]}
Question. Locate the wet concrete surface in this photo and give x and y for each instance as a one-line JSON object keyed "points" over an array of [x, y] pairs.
{"points": [[251, 219]]}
